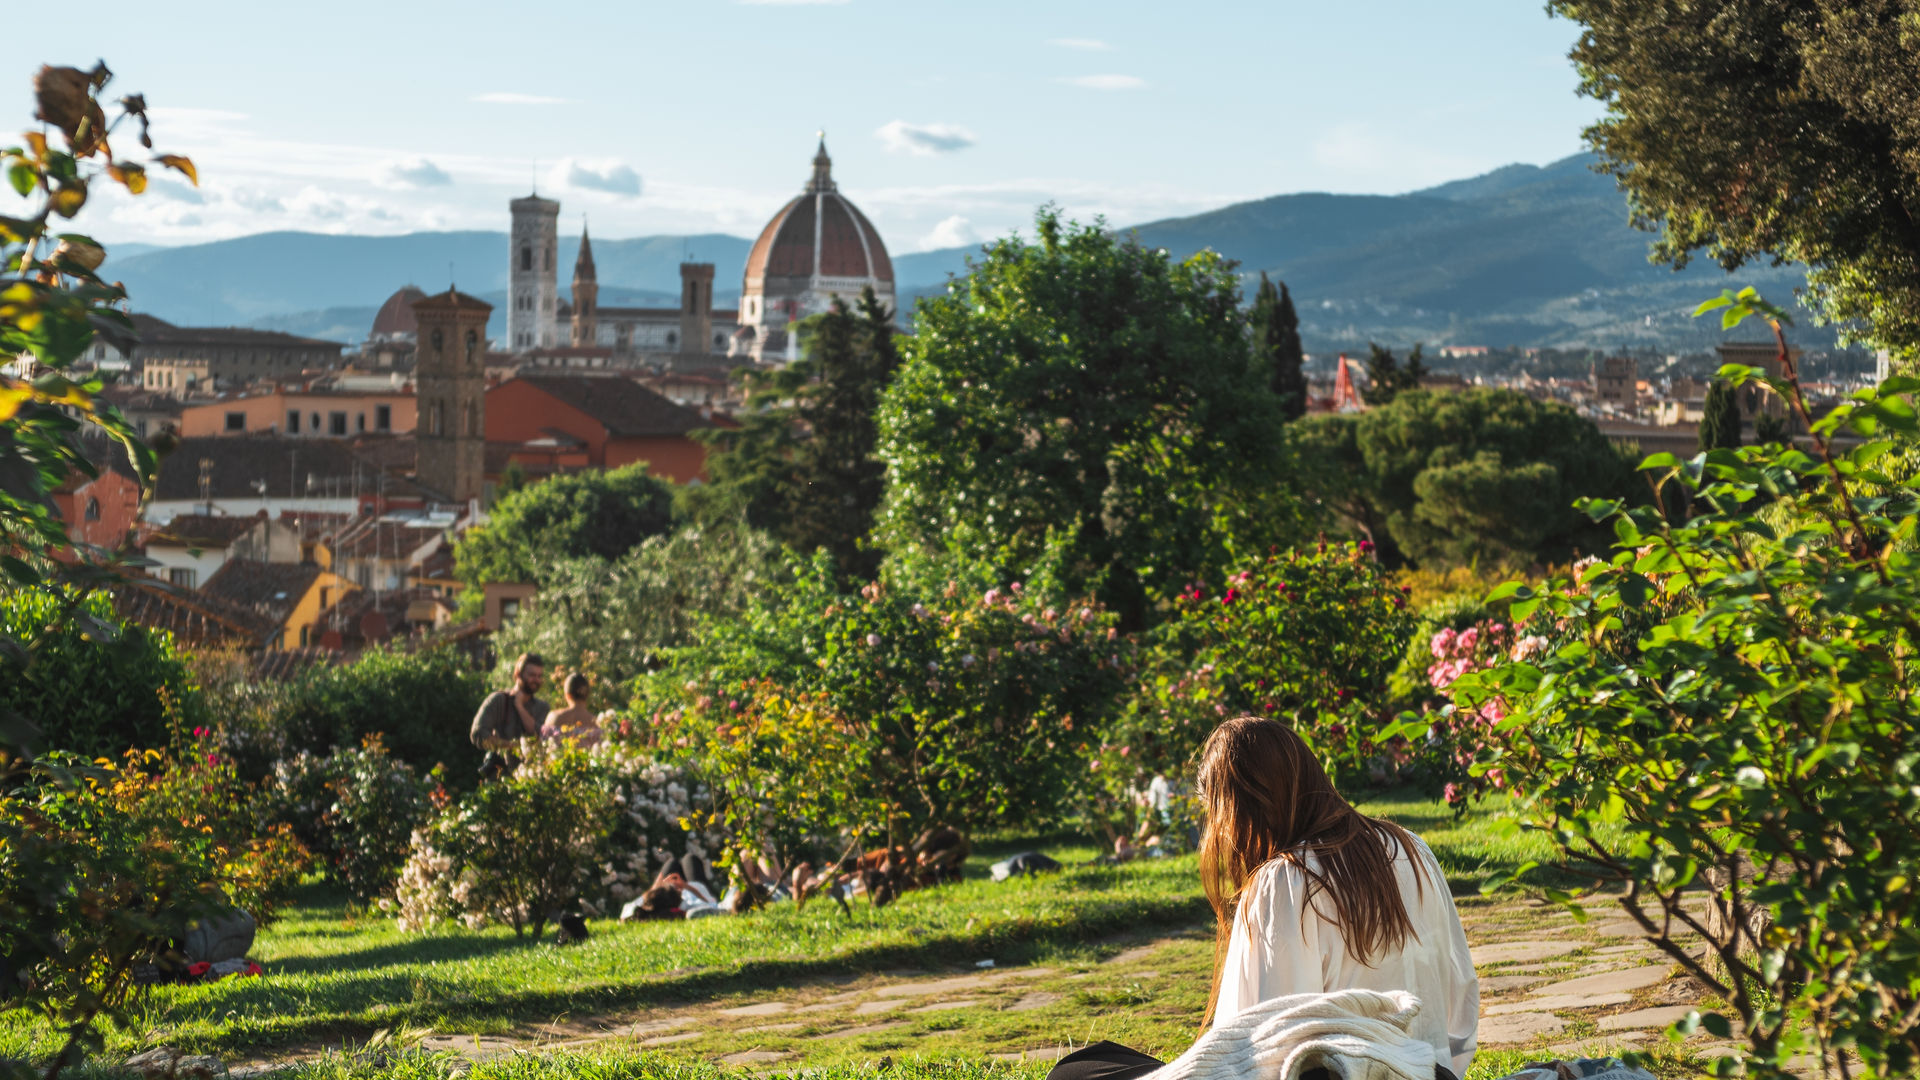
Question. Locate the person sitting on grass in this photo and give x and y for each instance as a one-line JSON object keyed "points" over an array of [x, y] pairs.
{"points": [[575, 723], [1311, 896], [938, 855]]}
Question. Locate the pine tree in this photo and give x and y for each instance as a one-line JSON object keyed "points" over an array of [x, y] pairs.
{"points": [[1276, 343], [1720, 418]]}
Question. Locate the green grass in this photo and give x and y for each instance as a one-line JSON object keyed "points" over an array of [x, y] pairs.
{"points": [[336, 976]]}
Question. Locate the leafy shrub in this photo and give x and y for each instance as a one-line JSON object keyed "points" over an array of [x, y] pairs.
{"points": [[568, 827], [595, 514], [973, 709], [98, 687], [421, 703], [1308, 637], [355, 809], [1739, 697]]}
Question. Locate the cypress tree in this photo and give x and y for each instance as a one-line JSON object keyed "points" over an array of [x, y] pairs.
{"points": [[1276, 342], [1720, 418]]}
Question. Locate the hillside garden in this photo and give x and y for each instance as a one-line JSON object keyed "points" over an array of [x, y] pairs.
{"points": [[1079, 526]]}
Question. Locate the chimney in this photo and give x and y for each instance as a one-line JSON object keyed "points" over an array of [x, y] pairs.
{"points": [[696, 308]]}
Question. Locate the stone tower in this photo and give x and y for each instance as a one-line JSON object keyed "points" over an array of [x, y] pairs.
{"points": [[696, 307], [586, 295], [533, 293], [450, 388]]}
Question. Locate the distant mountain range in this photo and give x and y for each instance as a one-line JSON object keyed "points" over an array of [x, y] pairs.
{"points": [[1523, 255]]}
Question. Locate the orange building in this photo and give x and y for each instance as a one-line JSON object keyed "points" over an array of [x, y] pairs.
{"points": [[326, 413], [560, 423], [99, 510]]}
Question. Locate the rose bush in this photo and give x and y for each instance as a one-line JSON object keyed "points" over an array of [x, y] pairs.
{"points": [[355, 809]]}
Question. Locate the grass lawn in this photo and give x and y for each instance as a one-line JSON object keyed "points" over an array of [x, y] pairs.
{"points": [[1062, 946]]}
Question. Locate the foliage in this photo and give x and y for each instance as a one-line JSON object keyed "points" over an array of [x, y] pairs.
{"points": [[598, 514], [1386, 377], [568, 829], [421, 703], [1087, 386], [1720, 417], [97, 685], [1308, 637], [1825, 174], [969, 708], [1737, 696], [1276, 343], [355, 809], [1476, 476], [802, 464]]}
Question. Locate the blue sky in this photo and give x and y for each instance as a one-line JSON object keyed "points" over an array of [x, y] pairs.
{"points": [[947, 122]]}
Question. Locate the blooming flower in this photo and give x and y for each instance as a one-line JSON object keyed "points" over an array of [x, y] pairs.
{"points": [[873, 641]]}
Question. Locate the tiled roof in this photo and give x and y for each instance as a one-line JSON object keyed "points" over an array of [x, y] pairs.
{"points": [[194, 619], [850, 247], [271, 589], [279, 665], [288, 467], [203, 531], [622, 406], [451, 299], [159, 334]]}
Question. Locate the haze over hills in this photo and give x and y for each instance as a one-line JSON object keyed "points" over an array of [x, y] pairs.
{"points": [[1523, 255]]}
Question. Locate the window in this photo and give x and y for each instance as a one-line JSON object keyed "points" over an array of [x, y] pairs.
{"points": [[183, 576], [293, 421], [526, 257], [439, 341], [336, 423], [473, 419], [236, 421], [359, 421], [93, 509], [436, 419], [313, 422], [509, 610], [672, 337], [549, 265], [364, 575], [383, 418]]}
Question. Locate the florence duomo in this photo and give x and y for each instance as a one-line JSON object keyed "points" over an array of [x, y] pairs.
{"points": [[817, 247]]}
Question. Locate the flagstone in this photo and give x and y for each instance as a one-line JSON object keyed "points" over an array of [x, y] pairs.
{"points": [[1609, 982], [863, 1029], [771, 1028], [764, 1008], [1522, 951], [1658, 1017], [1557, 1002], [872, 1007], [1038, 1000], [1501, 984], [1522, 1027], [1129, 956], [943, 1006]]}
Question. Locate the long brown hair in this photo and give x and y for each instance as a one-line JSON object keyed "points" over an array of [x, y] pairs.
{"points": [[1267, 798]]}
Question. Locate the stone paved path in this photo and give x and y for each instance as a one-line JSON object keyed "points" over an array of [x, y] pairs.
{"points": [[1547, 982]]}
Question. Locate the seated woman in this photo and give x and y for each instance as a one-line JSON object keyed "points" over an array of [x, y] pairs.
{"points": [[1311, 896], [575, 723]]}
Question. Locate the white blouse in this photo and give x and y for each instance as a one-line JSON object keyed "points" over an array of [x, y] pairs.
{"points": [[1274, 951]]}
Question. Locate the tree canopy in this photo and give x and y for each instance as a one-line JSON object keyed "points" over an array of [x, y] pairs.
{"points": [[1750, 129], [1720, 417], [1454, 477], [1387, 376], [574, 515], [1276, 343], [1087, 386]]}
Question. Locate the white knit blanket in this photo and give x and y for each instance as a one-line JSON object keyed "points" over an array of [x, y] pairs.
{"points": [[1355, 1034]]}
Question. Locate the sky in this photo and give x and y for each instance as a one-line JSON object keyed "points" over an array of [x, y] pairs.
{"points": [[948, 123]]}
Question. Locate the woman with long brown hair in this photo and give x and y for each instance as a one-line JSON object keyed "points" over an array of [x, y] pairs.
{"points": [[1312, 896]]}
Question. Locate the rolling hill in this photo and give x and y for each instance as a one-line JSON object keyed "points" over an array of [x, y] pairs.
{"points": [[1522, 255]]}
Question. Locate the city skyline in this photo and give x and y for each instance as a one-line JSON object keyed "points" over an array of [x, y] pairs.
{"points": [[701, 118]]}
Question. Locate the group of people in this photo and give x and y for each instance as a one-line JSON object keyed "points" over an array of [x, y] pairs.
{"points": [[1309, 895]]}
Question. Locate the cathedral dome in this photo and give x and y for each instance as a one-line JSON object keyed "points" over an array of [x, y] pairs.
{"points": [[820, 234], [396, 315]]}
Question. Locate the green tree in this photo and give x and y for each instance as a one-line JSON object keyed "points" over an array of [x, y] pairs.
{"points": [[802, 467], [1276, 343], [1088, 386], [1826, 173], [574, 515], [1386, 378], [1485, 475], [1720, 417], [512, 479]]}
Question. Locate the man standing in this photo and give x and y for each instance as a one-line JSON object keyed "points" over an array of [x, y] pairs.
{"points": [[509, 714]]}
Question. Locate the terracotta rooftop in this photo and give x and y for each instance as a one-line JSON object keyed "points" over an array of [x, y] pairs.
{"points": [[269, 589], [288, 467], [396, 315], [279, 665], [159, 333], [203, 531], [194, 619], [622, 406]]}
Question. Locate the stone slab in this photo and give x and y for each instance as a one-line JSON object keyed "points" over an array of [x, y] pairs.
{"points": [[1655, 1019], [1529, 952], [872, 1007], [766, 1029], [764, 1008], [1609, 982], [648, 1027], [959, 984], [1129, 956], [943, 1006], [825, 1006], [1619, 928], [1522, 1027], [863, 1029], [1039, 1000], [1506, 984], [1558, 1001], [1624, 950], [668, 1040], [752, 1057]]}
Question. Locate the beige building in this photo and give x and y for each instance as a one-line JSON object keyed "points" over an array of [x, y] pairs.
{"points": [[305, 413]]}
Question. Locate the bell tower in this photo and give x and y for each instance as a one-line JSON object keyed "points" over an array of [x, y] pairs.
{"points": [[586, 295], [696, 308], [450, 383], [533, 293]]}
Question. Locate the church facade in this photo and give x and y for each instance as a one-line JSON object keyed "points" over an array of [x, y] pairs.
{"points": [[818, 247]]}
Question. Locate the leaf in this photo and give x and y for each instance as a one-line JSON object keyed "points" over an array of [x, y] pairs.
{"points": [[1717, 302], [132, 176], [23, 178], [182, 164], [1660, 461], [69, 199]]}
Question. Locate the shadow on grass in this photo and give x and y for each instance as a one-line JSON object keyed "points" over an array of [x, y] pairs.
{"points": [[414, 950]]}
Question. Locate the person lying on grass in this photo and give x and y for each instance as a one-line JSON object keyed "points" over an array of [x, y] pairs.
{"points": [[1311, 896]]}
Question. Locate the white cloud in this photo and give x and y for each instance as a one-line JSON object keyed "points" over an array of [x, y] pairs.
{"points": [[176, 190], [415, 172], [901, 137], [1105, 82], [1084, 44], [508, 97], [312, 203], [606, 175], [955, 231]]}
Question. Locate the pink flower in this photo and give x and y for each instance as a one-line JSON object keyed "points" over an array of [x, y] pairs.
{"points": [[1125, 750], [1015, 586], [873, 641], [213, 759], [1453, 794], [1232, 594], [920, 610], [1442, 643], [992, 597]]}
